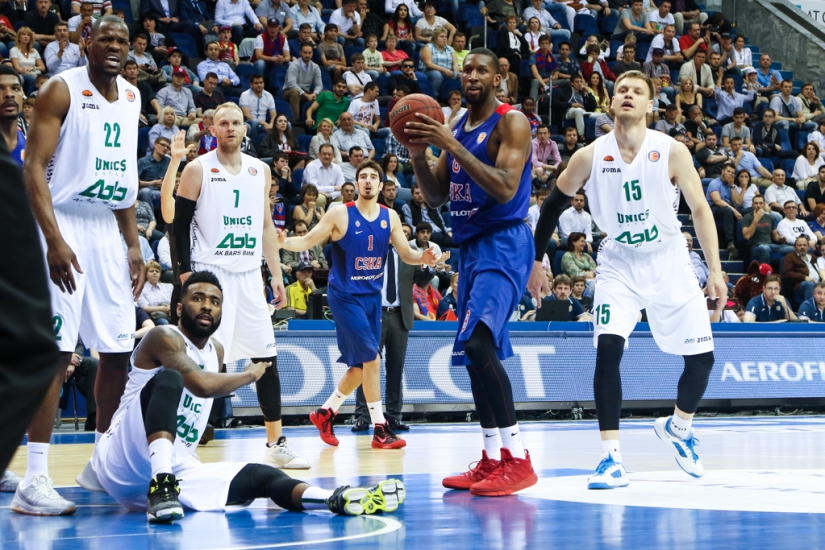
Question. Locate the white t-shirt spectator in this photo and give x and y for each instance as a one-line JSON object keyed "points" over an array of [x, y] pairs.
{"points": [[781, 195], [359, 79], [30, 61], [259, 107], [659, 42], [344, 23], [659, 22], [427, 29], [791, 230], [362, 112], [747, 200]]}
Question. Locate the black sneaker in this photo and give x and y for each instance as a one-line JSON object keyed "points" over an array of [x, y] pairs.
{"points": [[163, 505], [386, 496]]}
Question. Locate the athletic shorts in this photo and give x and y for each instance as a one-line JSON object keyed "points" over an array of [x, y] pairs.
{"points": [[246, 325], [493, 271], [663, 283], [121, 460], [357, 325], [102, 309]]}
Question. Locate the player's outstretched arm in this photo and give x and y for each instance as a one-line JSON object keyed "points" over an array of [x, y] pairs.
{"points": [[189, 190], [682, 172], [271, 250], [167, 188], [44, 132], [162, 346], [570, 181], [405, 252], [327, 227]]}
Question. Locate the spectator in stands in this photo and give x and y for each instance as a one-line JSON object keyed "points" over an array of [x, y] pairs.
{"points": [[699, 267], [815, 192], [365, 110], [798, 269], [157, 46], [405, 79], [277, 9], [297, 294], [667, 42], [438, 60], [767, 138], [228, 53], [571, 143], [391, 7], [534, 211], [769, 79], [347, 194], [417, 211], [328, 104], [634, 21], [42, 21], [745, 160], [146, 226], [720, 197], [770, 306], [147, 110], [356, 78], [210, 96], [576, 262], [355, 157], [751, 84], [627, 62], [257, 104], [236, 13], [532, 34], [164, 128], [315, 255], [271, 47], [655, 68], [180, 99], [394, 147], [737, 128], [373, 60], [687, 12], [80, 25], [325, 175], [576, 220], [728, 99], [25, 58], [807, 165], [425, 297], [303, 13], [303, 81], [227, 79], [389, 191], [660, 18], [812, 108], [147, 68], [511, 44], [542, 64], [324, 135], [792, 227], [789, 115], [99, 7], [453, 109], [545, 156], [745, 189], [813, 309], [700, 73], [692, 41], [575, 102], [151, 169], [280, 139], [333, 59], [604, 124], [190, 80], [741, 53], [596, 87], [562, 290], [448, 301], [371, 23], [778, 194], [425, 27], [401, 26], [348, 21], [546, 21], [156, 296], [348, 136], [393, 58], [671, 121], [310, 210], [567, 66], [509, 82], [759, 230], [697, 131], [687, 98], [61, 55]]}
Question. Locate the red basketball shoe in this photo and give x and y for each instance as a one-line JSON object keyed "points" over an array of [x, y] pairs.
{"points": [[478, 472], [384, 438], [514, 475], [323, 418]]}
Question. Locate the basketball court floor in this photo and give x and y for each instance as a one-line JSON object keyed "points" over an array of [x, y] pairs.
{"points": [[764, 488]]}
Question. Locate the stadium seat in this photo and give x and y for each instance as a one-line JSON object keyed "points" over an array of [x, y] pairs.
{"points": [[297, 178], [801, 139], [380, 146], [349, 51], [609, 23], [245, 72], [470, 15], [303, 142], [143, 140], [383, 82], [186, 43], [448, 86], [585, 25], [641, 52], [284, 108], [766, 163], [276, 79], [125, 7], [326, 80]]}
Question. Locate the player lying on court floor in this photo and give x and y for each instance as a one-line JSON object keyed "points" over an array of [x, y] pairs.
{"points": [[147, 457]]}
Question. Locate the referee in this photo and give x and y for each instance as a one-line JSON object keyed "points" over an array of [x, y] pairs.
{"points": [[28, 352]]}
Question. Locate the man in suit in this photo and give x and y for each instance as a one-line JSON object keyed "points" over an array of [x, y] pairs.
{"points": [[799, 272], [166, 14], [509, 81], [314, 256], [396, 322]]}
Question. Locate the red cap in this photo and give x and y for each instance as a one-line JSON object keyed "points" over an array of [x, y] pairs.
{"points": [[179, 70], [765, 269]]}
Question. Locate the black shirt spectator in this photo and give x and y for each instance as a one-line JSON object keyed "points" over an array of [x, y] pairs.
{"points": [[398, 79], [40, 24], [150, 169], [206, 102], [713, 166]]}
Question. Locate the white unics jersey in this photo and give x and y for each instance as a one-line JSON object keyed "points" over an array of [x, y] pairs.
{"points": [[227, 228], [193, 412], [94, 162], [634, 204]]}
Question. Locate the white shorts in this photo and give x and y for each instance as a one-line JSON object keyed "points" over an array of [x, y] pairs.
{"points": [[246, 325], [102, 309], [663, 283], [121, 460]]}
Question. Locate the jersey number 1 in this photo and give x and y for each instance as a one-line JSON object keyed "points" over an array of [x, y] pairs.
{"points": [[369, 240]]}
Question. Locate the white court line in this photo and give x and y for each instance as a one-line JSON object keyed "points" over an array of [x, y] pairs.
{"points": [[390, 525]]}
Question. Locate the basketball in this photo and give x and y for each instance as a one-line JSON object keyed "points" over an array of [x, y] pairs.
{"points": [[405, 110]]}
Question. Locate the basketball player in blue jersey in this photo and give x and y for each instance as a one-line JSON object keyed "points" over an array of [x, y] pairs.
{"points": [[486, 177], [361, 234], [633, 177]]}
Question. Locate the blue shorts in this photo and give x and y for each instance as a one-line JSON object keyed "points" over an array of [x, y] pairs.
{"points": [[493, 272], [357, 325]]}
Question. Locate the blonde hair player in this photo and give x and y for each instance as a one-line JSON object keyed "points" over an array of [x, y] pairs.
{"points": [[222, 224], [632, 177]]}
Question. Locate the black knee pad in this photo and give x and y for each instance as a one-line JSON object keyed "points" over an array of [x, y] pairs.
{"points": [[262, 481], [607, 381], [479, 347], [269, 389], [694, 381], [159, 400]]}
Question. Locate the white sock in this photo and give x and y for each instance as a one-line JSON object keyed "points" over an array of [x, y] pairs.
{"points": [[511, 440], [98, 435], [376, 413], [37, 457], [680, 427], [160, 456], [492, 443], [334, 401], [315, 498], [611, 447]]}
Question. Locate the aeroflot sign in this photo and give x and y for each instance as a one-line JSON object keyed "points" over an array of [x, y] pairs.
{"points": [[766, 371]]}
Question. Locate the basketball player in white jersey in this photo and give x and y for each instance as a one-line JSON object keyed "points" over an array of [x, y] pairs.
{"points": [[146, 460], [632, 177], [223, 225], [81, 177]]}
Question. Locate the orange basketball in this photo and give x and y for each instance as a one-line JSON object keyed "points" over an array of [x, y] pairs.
{"points": [[405, 110]]}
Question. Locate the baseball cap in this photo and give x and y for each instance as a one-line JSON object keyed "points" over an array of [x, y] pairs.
{"points": [[748, 70], [304, 265], [725, 35], [657, 51], [179, 70], [225, 28], [273, 22], [765, 269], [171, 51]]}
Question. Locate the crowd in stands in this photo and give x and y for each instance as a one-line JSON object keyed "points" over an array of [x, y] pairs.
{"points": [[315, 80]]}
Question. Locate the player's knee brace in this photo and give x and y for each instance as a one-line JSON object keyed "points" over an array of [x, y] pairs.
{"points": [[159, 401], [269, 389], [487, 374], [607, 381], [262, 481], [694, 381], [479, 348]]}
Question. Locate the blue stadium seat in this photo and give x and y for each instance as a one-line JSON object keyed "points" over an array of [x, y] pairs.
{"points": [[284, 108], [303, 142], [470, 15], [276, 79], [710, 107], [557, 262], [559, 13], [380, 146], [328, 4], [608, 24], [349, 51], [589, 134], [326, 80], [383, 82], [125, 7], [448, 86], [801, 139], [245, 72], [185, 42], [524, 68], [424, 84], [143, 140], [766, 163], [297, 178], [641, 51]]}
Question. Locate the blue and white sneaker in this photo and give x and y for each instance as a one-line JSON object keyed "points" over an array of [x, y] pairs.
{"points": [[686, 456], [609, 475]]}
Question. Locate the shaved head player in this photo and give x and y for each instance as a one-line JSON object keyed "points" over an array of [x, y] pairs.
{"points": [[486, 177], [633, 177]]}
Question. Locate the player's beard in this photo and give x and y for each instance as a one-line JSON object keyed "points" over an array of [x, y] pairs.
{"points": [[482, 97], [192, 327]]}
